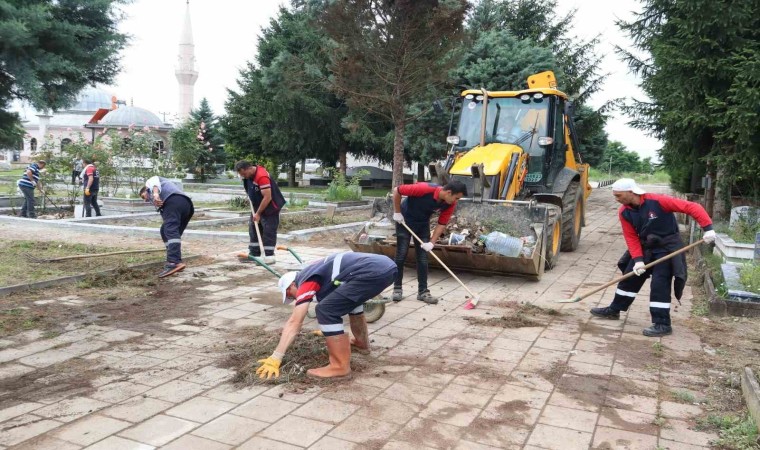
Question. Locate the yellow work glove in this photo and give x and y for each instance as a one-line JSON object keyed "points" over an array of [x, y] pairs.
{"points": [[87, 192], [269, 367]]}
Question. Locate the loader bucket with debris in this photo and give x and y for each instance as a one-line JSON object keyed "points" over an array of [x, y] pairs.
{"points": [[526, 220]]}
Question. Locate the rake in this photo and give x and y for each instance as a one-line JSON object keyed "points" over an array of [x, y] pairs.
{"points": [[630, 274], [36, 259]]}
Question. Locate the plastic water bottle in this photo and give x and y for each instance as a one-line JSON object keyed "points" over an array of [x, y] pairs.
{"points": [[502, 244]]}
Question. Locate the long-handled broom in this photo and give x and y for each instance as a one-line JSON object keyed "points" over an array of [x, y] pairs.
{"points": [[630, 274], [473, 298]]}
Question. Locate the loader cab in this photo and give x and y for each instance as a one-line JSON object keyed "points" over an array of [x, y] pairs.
{"points": [[527, 122]]}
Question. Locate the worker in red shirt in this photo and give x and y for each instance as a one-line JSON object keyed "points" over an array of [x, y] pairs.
{"points": [[267, 201], [651, 231], [422, 200]]}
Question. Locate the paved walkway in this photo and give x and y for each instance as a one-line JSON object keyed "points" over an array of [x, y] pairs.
{"points": [[438, 380]]}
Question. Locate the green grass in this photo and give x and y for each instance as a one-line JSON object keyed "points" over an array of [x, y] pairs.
{"points": [[736, 433], [16, 173], [16, 269], [749, 275], [684, 396], [659, 177]]}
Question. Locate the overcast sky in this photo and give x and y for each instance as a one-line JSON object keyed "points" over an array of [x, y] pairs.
{"points": [[225, 34]]}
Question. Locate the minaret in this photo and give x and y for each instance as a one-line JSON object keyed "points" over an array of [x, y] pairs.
{"points": [[186, 73]]}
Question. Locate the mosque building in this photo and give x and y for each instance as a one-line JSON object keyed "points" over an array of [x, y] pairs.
{"points": [[96, 110]]}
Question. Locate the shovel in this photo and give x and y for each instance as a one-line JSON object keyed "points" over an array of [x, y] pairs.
{"points": [[630, 274], [259, 260], [473, 298]]}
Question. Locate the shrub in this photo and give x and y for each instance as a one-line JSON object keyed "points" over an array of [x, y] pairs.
{"points": [[342, 190], [749, 275]]}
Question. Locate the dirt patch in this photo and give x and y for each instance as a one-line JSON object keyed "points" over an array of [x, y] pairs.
{"points": [[529, 309], [17, 266], [505, 321], [59, 380], [129, 298], [307, 352], [555, 372]]}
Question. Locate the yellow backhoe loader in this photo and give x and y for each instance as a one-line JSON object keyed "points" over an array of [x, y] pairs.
{"points": [[517, 153]]}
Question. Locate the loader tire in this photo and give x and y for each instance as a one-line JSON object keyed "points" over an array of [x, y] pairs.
{"points": [[553, 237], [572, 217]]}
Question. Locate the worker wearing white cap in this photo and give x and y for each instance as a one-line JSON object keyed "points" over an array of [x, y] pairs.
{"points": [[651, 231], [340, 284]]}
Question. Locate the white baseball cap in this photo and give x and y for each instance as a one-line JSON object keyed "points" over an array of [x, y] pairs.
{"points": [[627, 184], [284, 283]]}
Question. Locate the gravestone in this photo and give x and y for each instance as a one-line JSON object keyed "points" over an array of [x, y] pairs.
{"points": [[743, 213], [757, 248]]}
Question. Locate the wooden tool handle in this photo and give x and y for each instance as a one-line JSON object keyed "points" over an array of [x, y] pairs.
{"points": [[651, 264], [95, 255], [438, 259]]}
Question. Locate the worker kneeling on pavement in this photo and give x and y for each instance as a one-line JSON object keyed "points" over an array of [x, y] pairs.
{"points": [[651, 231], [340, 284], [176, 210]]}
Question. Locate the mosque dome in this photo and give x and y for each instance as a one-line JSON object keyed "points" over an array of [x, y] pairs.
{"points": [[90, 99], [125, 116]]}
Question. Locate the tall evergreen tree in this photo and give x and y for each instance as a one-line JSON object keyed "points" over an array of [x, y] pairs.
{"points": [[389, 55], [700, 71], [50, 50]]}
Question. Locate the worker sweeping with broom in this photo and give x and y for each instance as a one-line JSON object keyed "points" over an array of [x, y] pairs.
{"points": [[340, 284], [651, 232]]}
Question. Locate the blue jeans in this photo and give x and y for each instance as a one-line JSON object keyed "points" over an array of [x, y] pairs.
{"points": [[27, 209]]}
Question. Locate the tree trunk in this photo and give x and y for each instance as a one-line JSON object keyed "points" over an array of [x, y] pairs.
{"points": [[722, 206], [342, 152], [292, 175], [398, 152], [420, 172], [710, 193]]}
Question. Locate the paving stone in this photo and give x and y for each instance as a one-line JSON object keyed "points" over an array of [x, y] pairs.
{"points": [[190, 442], [469, 445], [200, 409], [400, 445], [25, 427], [186, 328], [14, 370], [633, 402], [260, 443], [176, 391], [231, 393], [119, 335], [265, 409], [614, 439], [530, 380], [90, 429], [136, 363], [665, 444], [450, 413], [330, 411], [232, 313], [547, 436], [463, 395], [46, 358], [674, 410], [577, 400], [514, 413], [309, 431], [581, 368], [117, 443], [429, 433], [418, 395], [554, 344], [209, 376], [137, 409], [158, 430], [71, 409], [230, 429], [18, 410], [357, 393], [45, 443], [486, 382], [389, 410], [118, 392], [624, 419], [568, 418], [282, 392], [363, 430], [187, 363], [532, 397], [156, 376], [330, 443], [679, 431]]}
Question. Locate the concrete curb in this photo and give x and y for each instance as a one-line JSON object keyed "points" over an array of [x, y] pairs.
{"points": [[73, 278], [751, 391]]}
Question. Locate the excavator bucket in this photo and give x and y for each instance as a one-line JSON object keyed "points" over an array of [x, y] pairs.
{"points": [[526, 220]]}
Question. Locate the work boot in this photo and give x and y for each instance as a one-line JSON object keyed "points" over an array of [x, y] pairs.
{"points": [[657, 330], [605, 313], [339, 350], [426, 297], [171, 268], [269, 260], [244, 256], [397, 295], [360, 340]]}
